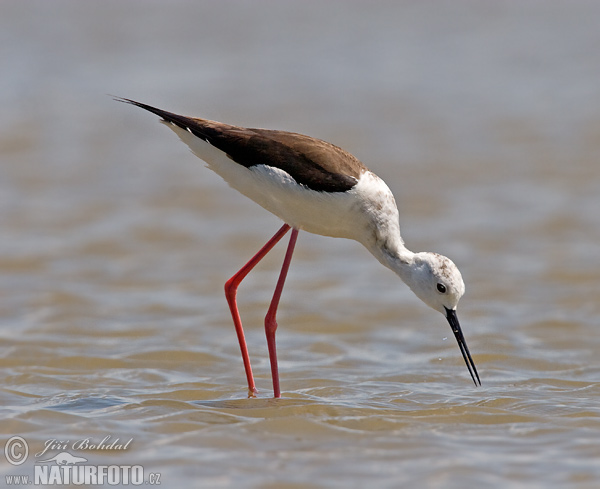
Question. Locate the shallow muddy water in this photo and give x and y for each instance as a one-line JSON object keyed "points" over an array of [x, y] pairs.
{"points": [[484, 120]]}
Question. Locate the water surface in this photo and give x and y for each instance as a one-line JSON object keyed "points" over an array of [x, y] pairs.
{"points": [[483, 119]]}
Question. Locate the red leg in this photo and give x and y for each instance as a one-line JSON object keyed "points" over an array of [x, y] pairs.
{"points": [[270, 319], [231, 287]]}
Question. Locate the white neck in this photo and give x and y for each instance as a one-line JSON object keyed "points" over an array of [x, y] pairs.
{"points": [[379, 232], [391, 253]]}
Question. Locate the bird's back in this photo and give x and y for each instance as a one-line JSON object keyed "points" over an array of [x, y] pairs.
{"points": [[311, 162], [309, 183]]}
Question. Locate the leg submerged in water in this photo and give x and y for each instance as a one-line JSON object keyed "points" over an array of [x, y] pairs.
{"points": [[271, 320], [231, 287]]}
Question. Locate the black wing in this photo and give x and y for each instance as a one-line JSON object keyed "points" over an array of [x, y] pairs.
{"points": [[314, 163]]}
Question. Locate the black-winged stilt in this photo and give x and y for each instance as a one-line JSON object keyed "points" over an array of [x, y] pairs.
{"points": [[314, 186]]}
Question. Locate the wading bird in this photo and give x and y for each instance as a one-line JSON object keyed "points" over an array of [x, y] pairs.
{"points": [[314, 186]]}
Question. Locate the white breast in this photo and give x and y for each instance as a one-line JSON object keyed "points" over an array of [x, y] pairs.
{"points": [[361, 213]]}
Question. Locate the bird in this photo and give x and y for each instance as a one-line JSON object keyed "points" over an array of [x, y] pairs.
{"points": [[314, 186]]}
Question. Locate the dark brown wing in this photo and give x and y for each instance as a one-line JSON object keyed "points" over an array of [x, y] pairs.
{"points": [[314, 163]]}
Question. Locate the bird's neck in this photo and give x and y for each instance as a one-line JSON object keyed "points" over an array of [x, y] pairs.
{"points": [[402, 263], [392, 254]]}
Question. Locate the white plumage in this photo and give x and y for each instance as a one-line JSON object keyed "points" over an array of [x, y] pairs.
{"points": [[316, 187]]}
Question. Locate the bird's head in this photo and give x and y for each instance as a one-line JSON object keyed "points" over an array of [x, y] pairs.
{"points": [[437, 281]]}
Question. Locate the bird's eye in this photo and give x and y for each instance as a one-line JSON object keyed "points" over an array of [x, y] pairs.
{"points": [[441, 288]]}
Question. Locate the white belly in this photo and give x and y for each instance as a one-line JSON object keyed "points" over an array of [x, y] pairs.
{"points": [[352, 214]]}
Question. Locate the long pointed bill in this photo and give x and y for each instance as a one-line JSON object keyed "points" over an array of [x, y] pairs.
{"points": [[462, 344]]}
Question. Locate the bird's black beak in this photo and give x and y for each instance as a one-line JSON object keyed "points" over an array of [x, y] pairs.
{"points": [[462, 344]]}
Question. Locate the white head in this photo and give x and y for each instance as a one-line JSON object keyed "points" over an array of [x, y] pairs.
{"points": [[437, 281]]}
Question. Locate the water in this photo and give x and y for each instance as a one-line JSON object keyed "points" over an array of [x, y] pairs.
{"points": [[483, 119]]}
